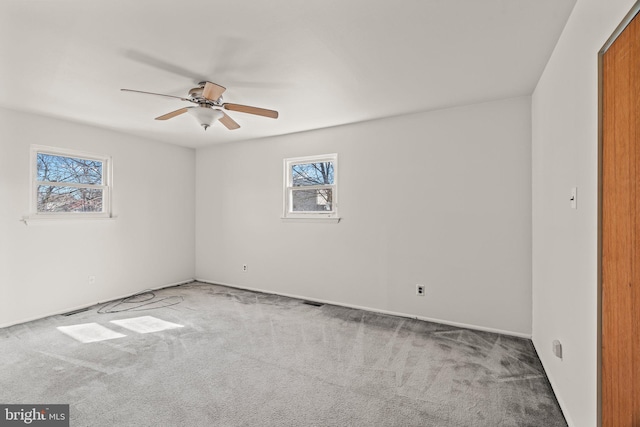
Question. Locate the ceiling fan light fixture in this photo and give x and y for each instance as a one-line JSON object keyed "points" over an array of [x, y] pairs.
{"points": [[205, 115]]}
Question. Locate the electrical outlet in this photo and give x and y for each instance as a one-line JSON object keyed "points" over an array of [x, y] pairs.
{"points": [[420, 290], [557, 349], [244, 268], [92, 280]]}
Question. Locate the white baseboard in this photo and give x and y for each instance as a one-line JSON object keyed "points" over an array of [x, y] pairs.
{"points": [[570, 422], [211, 282], [80, 307], [375, 310]]}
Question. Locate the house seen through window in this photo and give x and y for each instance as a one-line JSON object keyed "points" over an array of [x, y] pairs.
{"points": [[311, 186]]}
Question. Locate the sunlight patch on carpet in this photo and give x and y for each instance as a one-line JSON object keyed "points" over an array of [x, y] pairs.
{"points": [[146, 324], [89, 332]]}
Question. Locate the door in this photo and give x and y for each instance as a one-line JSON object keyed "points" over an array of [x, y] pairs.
{"points": [[620, 228]]}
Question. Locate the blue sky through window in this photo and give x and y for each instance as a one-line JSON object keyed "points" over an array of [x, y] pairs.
{"points": [[321, 173], [52, 168]]}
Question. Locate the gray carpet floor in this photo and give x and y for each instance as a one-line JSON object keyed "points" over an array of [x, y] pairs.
{"points": [[249, 359]]}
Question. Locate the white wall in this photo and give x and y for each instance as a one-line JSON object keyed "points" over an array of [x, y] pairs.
{"points": [[565, 154], [44, 268], [440, 198]]}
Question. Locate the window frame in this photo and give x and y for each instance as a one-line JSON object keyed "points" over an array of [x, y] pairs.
{"points": [[106, 185], [288, 187]]}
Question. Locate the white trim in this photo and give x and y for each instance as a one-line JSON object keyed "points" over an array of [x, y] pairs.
{"points": [[56, 151], [106, 187], [80, 307], [323, 220], [288, 188], [64, 219], [374, 310], [312, 159], [558, 397]]}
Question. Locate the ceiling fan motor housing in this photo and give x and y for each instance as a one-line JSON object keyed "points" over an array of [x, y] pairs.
{"points": [[196, 92], [196, 95]]}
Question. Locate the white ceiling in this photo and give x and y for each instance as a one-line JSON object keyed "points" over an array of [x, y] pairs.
{"points": [[319, 63]]}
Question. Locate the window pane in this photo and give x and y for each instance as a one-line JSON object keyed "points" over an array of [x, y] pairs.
{"points": [[52, 198], [319, 200], [69, 169], [312, 174]]}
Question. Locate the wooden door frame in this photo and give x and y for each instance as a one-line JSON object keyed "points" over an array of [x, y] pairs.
{"points": [[635, 10]]}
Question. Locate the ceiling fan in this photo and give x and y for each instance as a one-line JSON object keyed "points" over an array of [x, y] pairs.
{"points": [[209, 106]]}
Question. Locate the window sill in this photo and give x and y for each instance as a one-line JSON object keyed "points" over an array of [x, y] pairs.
{"points": [[38, 219], [326, 220]]}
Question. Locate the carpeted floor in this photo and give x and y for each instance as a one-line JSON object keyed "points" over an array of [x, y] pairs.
{"points": [[227, 357]]}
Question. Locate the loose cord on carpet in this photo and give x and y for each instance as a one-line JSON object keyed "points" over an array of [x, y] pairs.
{"points": [[139, 302]]}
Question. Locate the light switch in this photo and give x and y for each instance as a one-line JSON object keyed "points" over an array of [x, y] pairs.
{"points": [[574, 198]]}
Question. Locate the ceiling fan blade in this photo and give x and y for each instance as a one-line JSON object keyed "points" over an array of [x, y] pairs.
{"points": [[157, 94], [172, 114], [251, 110], [212, 91], [161, 64], [228, 121]]}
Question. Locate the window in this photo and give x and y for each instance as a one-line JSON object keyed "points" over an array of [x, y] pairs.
{"points": [[311, 189], [68, 183]]}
